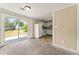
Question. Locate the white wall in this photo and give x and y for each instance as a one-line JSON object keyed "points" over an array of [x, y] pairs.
{"points": [[30, 32], [1, 40], [78, 26], [1, 29]]}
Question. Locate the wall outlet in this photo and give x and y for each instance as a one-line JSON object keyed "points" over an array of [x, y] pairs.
{"points": [[55, 27], [62, 42]]}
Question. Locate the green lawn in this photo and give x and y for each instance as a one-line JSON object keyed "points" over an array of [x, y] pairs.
{"points": [[12, 33]]}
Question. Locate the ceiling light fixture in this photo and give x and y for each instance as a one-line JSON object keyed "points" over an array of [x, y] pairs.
{"points": [[28, 8]]}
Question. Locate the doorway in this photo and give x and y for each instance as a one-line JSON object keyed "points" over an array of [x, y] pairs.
{"points": [[15, 30]]}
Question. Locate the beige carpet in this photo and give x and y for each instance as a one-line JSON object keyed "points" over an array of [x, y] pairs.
{"points": [[32, 47]]}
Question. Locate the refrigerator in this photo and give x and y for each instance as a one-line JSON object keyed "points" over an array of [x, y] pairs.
{"points": [[38, 31]]}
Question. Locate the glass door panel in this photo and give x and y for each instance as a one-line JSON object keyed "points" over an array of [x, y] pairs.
{"points": [[23, 29], [11, 29]]}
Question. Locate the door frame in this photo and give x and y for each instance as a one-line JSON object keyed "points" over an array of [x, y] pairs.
{"points": [[4, 16]]}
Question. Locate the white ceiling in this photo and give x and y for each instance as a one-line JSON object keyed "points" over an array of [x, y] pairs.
{"points": [[39, 10]]}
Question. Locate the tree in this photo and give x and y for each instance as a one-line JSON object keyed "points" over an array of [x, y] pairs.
{"points": [[21, 24], [25, 28], [9, 26]]}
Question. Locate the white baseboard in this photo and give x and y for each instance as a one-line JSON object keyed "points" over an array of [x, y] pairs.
{"points": [[66, 49], [1, 45]]}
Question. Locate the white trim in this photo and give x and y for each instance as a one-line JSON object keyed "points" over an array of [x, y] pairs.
{"points": [[2, 29], [78, 27], [4, 11], [66, 49], [65, 7], [2, 44], [5, 16], [11, 16], [53, 27]]}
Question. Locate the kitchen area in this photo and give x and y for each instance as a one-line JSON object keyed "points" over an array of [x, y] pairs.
{"points": [[43, 31]]}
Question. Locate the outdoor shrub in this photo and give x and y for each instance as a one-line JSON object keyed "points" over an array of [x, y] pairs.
{"points": [[25, 28]]}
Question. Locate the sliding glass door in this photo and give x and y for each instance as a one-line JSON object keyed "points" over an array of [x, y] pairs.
{"points": [[23, 28], [11, 29], [15, 29]]}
